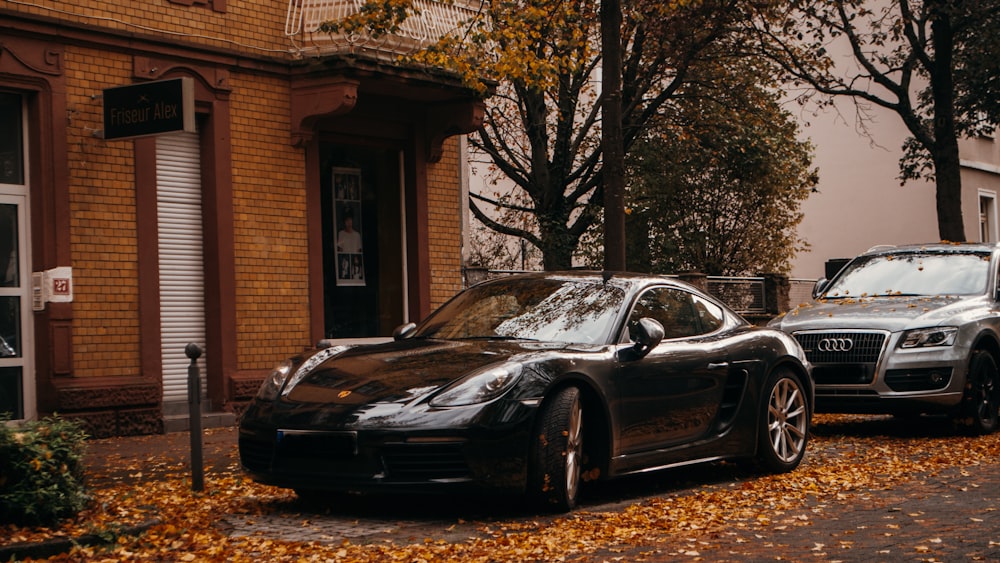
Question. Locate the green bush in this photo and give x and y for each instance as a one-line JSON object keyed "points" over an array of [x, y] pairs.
{"points": [[41, 471]]}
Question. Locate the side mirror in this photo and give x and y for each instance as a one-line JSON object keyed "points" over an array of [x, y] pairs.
{"points": [[819, 287], [403, 332], [648, 334]]}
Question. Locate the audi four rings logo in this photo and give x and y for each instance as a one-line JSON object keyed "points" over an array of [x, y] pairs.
{"points": [[835, 345]]}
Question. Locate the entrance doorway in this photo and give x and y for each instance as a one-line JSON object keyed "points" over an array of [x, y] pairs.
{"points": [[17, 398], [364, 273]]}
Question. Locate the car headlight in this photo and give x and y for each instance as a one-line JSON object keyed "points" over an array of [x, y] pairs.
{"points": [[928, 337], [272, 383], [307, 366], [479, 386]]}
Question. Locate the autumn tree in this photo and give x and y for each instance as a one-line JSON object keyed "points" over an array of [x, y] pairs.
{"points": [[543, 124], [543, 128], [977, 70], [907, 56], [717, 180]]}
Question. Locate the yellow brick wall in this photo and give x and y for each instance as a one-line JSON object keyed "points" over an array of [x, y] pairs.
{"points": [[102, 223], [444, 224], [269, 202], [271, 245], [249, 26]]}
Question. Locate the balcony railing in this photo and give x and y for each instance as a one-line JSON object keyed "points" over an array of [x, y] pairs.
{"points": [[429, 20]]}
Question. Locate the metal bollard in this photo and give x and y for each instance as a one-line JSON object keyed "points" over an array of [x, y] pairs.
{"points": [[193, 351]]}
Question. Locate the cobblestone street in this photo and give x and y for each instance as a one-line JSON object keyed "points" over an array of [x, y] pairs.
{"points": [[952, 515], [870, 489]]}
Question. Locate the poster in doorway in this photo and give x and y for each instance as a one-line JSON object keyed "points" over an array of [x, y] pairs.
{"points": [[347, 215]]}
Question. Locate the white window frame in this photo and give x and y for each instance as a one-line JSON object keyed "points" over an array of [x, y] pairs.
{"points": [[992, 234]]}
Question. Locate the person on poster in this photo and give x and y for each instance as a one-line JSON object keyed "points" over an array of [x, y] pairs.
{"points": [[345, 268], [349, 240], [357, 271]]}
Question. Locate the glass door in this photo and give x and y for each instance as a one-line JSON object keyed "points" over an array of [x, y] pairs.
{"points": [[14, 307], [17, 388]]}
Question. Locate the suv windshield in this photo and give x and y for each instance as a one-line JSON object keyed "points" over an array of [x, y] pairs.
{"points": [[913, 273]]}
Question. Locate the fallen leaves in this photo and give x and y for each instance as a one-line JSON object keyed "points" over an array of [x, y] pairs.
{"points": [[840, 468]]}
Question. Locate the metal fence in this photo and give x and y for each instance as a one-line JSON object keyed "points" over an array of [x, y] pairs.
{"points": [[743, 295], [427, 21], [800, 291]]}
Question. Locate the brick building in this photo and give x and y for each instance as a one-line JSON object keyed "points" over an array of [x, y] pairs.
{"points": [[235, 235]]}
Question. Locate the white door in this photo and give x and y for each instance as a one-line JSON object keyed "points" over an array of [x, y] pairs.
{"points": [[182, 265]]}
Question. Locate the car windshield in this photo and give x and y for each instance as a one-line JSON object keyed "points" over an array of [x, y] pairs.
{"points": [[551, 310], [926, 273]]}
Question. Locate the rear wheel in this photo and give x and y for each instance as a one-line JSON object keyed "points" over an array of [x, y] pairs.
{"points": [[784, 424], [981, 403], [557, 451]]}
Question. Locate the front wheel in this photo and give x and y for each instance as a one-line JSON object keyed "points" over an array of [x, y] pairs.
{"points": [[980, 412], [557, 451], [784, 425]]}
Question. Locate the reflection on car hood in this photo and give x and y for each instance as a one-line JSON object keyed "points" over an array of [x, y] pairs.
{"points": [[885, 313], [400, 372]]}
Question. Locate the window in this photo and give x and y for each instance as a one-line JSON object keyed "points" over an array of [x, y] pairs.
{"points": [[217, 5], [681, 313], [987, 216], [11, 145]]}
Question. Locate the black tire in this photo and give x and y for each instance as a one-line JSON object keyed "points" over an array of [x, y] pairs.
{"points": [[783, 431], [557, 452], [980, 411]]}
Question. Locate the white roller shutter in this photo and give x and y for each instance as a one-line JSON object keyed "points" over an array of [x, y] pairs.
{"points": [[182, 267]]}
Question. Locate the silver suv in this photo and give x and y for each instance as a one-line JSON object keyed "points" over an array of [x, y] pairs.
{"points": [[907, 330]]}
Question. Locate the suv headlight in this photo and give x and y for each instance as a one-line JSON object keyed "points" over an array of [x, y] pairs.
{"points": [[479, 386], [928, 337], [272, 383]]}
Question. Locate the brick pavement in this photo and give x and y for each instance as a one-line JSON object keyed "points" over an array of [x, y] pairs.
{"points": [[952, 516], [949, 517]]}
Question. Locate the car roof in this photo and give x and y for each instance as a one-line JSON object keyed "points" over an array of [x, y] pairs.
{"points": [[937, 247], [620, 278], [592, 275]]}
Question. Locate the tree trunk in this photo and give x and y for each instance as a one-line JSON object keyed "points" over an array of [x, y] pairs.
{"points": [[949, 196], [557, 251], [612, 140], [947, 166]]}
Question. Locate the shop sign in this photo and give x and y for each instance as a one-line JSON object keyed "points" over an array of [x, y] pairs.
{"points": [[149, 108]]}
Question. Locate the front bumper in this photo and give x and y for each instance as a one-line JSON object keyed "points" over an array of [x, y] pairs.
{"points": [[483, 459], [887, 379]]}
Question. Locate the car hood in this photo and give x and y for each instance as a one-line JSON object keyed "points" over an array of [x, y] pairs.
{"points": [[883, 313], [399, 372]]}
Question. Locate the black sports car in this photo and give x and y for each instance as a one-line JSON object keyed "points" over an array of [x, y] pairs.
{"points": [[533, 384]]}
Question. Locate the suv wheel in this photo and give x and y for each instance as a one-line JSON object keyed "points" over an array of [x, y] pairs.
{"points": [[980, 412]]}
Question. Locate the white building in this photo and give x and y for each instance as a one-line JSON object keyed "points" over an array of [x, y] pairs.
{"points": [[860, 202]]}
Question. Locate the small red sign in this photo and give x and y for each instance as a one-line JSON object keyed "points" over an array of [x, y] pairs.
{"points": [[60, 286]]}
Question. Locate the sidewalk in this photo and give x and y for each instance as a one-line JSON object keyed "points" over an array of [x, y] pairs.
{"points": [[140, 458], [134, 460]]}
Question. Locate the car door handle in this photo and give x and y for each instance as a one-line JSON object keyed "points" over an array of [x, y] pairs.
{"points": [[721, 365]]}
